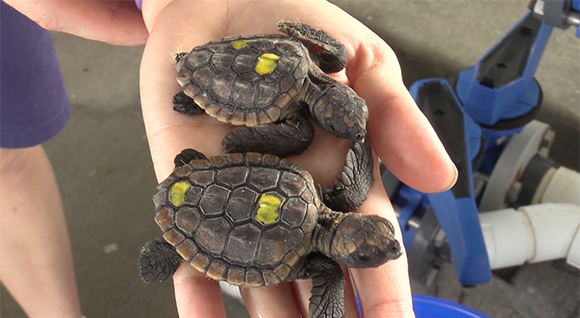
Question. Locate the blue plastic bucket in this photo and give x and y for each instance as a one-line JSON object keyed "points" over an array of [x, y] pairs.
{"points": [[433, 307]]}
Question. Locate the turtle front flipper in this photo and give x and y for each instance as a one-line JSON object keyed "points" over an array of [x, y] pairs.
{"points": [[288, 138], [327, 300], [185, 105], [157, 261], [355, 180], [328, 53]]}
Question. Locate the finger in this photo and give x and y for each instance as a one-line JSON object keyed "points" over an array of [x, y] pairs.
{"points": [[407, 144], [302, 292], [271, 301], [102, 23], [377, 301], [383, 291], [350, 307], [89, 19], [402, 137], [196, 295]]}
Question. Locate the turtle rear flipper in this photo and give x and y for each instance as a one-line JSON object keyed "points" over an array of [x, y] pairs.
{"points": [[328, 53], [291, 137], [186, 156], [185, 105], [157, 261], [355, 180], [327, 298]]}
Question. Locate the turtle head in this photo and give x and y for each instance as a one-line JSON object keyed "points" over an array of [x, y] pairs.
{"points": [[364, 241], [342, 112]]}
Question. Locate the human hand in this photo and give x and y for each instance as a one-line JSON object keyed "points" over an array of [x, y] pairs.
{"points": [[115, 22], [400, 135]]}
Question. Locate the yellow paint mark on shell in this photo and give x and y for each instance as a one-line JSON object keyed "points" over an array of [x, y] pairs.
{"points": [[267, 212], [177, 193], [267, 63], [240, 44]]}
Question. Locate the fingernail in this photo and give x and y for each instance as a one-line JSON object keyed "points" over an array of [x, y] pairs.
{"points": [[454, 179]]}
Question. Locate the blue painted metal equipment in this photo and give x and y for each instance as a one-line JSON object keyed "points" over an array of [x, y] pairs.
{"points": [[493, 100]]}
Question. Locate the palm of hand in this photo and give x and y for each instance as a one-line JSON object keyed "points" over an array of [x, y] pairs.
{"points": [[372, 71]]}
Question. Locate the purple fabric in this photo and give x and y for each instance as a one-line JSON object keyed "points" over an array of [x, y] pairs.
{"points": [[139, 3], [34, 105]]}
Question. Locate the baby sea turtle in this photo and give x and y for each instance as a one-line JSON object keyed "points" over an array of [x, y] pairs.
{"points": [[268, 84], [258, 220]]}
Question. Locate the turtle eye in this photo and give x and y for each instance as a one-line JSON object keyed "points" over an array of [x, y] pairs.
{"points": [[363, 257]]}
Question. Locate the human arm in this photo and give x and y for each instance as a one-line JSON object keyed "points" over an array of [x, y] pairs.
{"points": [[400, 134]]}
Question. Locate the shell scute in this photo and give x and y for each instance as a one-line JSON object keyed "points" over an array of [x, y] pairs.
{"points": [[200, 262], [267, 93], [211, 235], [197, 58], [251, 119], [292, 184], [217, 270], [193, 195], [219, 161], [187, 249], [310, 218], [292, 258], [236, 275], [282, 271], [202, 77], [295, 210], [263, 179], [173, 236], [220, 88], [222, 62], [232, 177], [244, 94], [200, 164], [271, 278], [214, 199], [270, 161], [245, 62], [241, 205], [182, 171], [188, 219], [254, 278], [236, 158], [164, 218], [202, 178], [295, 239], [253, 158], [243, 244], [272, 246]]}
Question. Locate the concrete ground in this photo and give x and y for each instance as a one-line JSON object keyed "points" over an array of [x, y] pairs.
{"points": [[103, 166]]}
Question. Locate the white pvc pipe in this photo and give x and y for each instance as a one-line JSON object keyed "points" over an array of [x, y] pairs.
{"points": [[532, 234], [563, 187], [232, 291]]}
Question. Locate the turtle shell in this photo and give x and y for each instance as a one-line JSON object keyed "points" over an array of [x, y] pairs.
{"points": [[243, 218], [245, 80]]}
